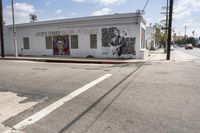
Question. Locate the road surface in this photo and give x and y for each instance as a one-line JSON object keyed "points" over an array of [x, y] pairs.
{"points": [[154, 97]]}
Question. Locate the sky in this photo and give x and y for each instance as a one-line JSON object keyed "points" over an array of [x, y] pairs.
{"points": [[186, 12]]}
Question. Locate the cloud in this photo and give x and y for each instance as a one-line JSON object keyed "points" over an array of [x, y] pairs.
{"points": [[59, 11], [86, 1], [49, 2], [102, 2], [194, 26], [103, 11], [73, 14], [184, 8], [22, 11], [110, 2]]}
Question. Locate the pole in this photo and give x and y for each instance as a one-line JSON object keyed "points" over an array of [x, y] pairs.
{"points": [[1, 32], [169, 28], [14, 30], [185, 31], [166, 25]]}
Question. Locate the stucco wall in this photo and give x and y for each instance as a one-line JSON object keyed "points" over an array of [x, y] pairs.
{"points": [[38, 44]]}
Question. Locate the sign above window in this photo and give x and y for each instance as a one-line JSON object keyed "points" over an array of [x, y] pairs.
{"points": [[67, 32]]}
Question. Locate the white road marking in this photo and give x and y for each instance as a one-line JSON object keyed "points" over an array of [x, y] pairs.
{"points": [[23, 61], [39, 115]]}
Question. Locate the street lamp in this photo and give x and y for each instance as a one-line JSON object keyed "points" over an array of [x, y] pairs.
{"points": [[14, 30]]}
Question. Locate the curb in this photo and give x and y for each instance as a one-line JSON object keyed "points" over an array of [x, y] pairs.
{"points": [[87, 61], [72, 61]]}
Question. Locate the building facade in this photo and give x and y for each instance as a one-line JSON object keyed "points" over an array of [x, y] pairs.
{"points": [[108, 36], [150, 38]]}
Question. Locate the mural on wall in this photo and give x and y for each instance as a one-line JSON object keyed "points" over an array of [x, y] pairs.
{"points": [[121, 44], [61, 45]]}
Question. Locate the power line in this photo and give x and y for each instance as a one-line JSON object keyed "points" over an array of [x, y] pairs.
{"points": [[145, 6]]}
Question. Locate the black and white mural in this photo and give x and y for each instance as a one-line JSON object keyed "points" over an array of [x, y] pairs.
{"points": [[118, 41]]}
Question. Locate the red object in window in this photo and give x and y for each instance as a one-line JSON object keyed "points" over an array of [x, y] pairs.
{"points": [[55, 49], [66, 51]]}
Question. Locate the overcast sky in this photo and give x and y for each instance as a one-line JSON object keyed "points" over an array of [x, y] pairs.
{"points": [[186, 12]]}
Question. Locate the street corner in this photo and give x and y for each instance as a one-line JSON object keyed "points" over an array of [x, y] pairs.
{"points": [[11, 105]]}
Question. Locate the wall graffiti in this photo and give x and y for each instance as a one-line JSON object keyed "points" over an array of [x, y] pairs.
{"points": [[122, 44], [61, 45]]}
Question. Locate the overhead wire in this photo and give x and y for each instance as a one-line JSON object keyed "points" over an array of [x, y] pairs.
{"points": [[145, 6]]}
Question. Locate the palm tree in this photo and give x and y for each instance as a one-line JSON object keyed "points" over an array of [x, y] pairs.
{"points": [[32, 18]]}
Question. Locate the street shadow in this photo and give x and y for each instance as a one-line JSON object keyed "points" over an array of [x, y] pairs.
{"points": [[98, 101]]}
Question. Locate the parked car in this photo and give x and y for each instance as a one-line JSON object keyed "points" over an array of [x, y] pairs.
{"points": [[188, 46]]}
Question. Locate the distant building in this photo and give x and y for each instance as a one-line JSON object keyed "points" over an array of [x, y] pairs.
{"points": [[150, 38], [179, 38], [108, 36]]}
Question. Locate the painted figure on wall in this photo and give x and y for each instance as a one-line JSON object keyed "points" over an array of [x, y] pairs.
{"points": [[120, 44], [61, 45], [117, 42]]}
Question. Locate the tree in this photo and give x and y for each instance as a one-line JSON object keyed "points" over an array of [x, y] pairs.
{"points": [[32, 18], [191, 40], [160, 37]]}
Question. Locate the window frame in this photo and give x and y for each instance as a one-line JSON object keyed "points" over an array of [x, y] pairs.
{"points": [[47, 45], [72, 46], [24, 45], [143, 37], [93, 46]]}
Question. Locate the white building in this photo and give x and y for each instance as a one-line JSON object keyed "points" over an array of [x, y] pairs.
{"points": [[150, 38], [108, 36]]}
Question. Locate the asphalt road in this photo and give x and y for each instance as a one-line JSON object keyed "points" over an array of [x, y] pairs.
{"points": [[156, 97], [52, 81], [195, 51]]}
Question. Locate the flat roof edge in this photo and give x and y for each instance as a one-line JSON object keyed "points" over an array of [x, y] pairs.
{"points": [[80, 19]]}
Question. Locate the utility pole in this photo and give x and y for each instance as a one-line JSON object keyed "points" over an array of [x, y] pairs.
{"points": [[185, 31], [1, 32], [167, 19], [166, 13], [169, 28], [14, 30]]}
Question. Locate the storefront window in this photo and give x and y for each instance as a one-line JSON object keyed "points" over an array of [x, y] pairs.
{"points": [[142, 38], [26, 43], [93, 41], [48, 42], [74, 41]]}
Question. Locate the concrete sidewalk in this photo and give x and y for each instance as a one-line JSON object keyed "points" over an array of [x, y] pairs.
{"points": [[79, 60]]}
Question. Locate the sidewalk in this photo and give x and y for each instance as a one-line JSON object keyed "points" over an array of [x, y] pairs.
{"points": [[79, 60], [159, 56]]}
